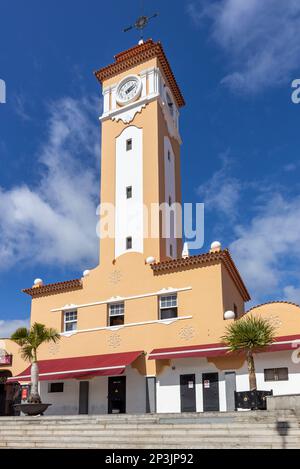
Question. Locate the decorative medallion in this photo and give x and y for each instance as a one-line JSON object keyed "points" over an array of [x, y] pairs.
{"points": [[115, 277], [187, 333], [114, 341], [53, 349]]}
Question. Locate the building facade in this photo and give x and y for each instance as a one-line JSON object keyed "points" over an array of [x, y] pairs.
{"points": [[142, 331]]}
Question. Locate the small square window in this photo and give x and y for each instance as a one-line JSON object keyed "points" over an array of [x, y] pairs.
{"points": [[129, 192], [70, 321], [168, 307], [276, 374], [55, 387], [129, 144], [116, 314], [129, 243]]}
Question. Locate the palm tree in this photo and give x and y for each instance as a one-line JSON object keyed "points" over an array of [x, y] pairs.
{"points": [[249, 334], [29, 340]]}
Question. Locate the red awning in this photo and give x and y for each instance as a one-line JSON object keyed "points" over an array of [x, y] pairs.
{"points": [[81, 367], [290, 342], [210, 350]]}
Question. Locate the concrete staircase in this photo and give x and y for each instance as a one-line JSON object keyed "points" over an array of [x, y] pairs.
{"points": [[263, 430]]}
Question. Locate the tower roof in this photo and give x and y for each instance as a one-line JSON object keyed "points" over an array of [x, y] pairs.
{"points": [[139, 54]]}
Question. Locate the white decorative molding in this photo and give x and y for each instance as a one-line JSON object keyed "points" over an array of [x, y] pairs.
{"points": [[126, 298], [129, 115], [172, 129], [113, 329]]}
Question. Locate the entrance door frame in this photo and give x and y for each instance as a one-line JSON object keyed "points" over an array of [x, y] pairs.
{"points": [[109, 400], [204, 390], [192, 377]]}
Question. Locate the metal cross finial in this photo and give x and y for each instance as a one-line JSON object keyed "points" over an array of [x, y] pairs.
{"points": [[140, 24]]}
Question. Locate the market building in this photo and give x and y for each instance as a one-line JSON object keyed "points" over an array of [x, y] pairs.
{"points": [[142, 331]]}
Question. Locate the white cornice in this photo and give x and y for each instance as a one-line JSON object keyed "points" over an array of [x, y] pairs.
{"points": [[165, 291], [165, 322]]}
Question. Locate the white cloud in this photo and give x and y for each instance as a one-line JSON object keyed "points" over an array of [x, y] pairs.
{"points": [[54, 221], [221, 193], [292, 294], [267, 248], [259, 37], [7, 328]]}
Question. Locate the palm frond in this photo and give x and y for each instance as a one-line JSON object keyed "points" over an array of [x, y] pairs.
{"points": [[30, 340], [249, 333], [27, 352], [20, 336]]}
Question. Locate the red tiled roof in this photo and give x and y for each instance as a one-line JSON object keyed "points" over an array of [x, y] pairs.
{"points": [[139, 54], [204, 259], [53, 288]]}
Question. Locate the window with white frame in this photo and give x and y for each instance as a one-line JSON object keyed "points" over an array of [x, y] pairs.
{"points": [[168, 306], [70, 321], [116, 314]]}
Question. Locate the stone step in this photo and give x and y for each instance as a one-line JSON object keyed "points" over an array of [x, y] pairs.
{"points": [[199, 415], [147, 439], [147, 431], [59, 445]]}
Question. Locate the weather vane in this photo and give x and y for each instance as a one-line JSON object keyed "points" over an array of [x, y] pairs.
{"points": [[141, 23]]}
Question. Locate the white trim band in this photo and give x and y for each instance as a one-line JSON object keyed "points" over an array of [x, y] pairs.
{"points": [[132, 324], [165, 291]]}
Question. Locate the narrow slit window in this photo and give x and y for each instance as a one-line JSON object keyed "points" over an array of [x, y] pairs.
{"points": [[171, 250], [129, 192], [129, 144], [129, 243]]}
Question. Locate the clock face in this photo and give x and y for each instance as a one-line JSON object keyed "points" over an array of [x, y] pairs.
{"points": [[128, 90]]}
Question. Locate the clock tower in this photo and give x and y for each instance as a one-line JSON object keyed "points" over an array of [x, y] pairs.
{"points": [[140, 168]]}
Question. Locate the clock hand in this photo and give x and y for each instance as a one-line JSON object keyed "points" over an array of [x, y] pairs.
{"points": [[129, 89]]}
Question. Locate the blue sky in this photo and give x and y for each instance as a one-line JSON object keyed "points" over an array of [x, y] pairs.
{"points": [[235, 62]]}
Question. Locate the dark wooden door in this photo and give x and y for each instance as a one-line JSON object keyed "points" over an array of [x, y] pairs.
{"points": [[210, 384], [187, 393], [83, 397], [117, 395]]}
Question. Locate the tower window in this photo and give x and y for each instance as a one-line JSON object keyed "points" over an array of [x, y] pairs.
{"points": [[129, 192], [171, 250], [116, 314], [170, 200], [169, 156], [168, 307], [129, 243], [129, 144]]}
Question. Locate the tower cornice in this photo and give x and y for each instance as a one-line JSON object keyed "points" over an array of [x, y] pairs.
{"points": [[139, 54]]}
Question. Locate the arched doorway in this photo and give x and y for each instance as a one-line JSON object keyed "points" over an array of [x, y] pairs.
{"points": [[9, 394]]}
